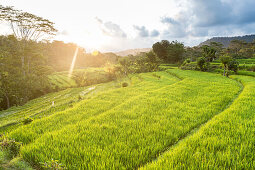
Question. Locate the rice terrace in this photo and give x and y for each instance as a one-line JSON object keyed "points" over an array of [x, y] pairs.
{"points": [[84, 98]]}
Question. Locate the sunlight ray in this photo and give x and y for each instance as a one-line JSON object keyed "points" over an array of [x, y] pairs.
{"points": [[73, 62]]}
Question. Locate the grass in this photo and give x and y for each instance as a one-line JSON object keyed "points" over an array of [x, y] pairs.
{"points": [[127, 127], [10, 164], [246, 73], [43, 106], [246, 61], [225, 142], [61, 80]]}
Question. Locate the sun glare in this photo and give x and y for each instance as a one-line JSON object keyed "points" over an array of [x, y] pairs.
{"points": [[95, 53], [73, 62]]}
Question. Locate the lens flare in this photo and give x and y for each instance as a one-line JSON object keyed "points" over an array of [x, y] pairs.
{"points": [[95, 53], [73, 62]]}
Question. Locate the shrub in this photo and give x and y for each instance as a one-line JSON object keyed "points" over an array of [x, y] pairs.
{"points": [[187, 61], [155, 75], [252, 68], [233, 65], [189, 66], [10, 146], [202, 64], [225, 60], [53, 164], [79, 97], [27, 121], [124, 84]]}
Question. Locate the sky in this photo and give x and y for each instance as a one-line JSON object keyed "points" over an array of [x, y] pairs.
{"points": [[115, 25]]}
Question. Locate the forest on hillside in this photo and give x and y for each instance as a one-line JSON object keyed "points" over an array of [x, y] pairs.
{"points": [[225, 41]]}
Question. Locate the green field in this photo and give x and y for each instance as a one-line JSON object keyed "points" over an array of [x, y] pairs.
{"points": [[60, 80], [173, 119]]}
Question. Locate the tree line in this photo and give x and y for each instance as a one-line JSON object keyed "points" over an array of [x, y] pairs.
{"points": [[204, 55]]}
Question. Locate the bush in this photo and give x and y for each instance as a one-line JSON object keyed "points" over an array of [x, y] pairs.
{"points": [[124, 84], [189, 66], [53, 164], [233, 65], [155, 75], [10, 146], [27, 121], [79, 97], [202, 64], [252, 68], [187, 61]]}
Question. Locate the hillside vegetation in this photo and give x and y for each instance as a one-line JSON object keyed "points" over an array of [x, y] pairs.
{"points": [[225, 41], [132, 51], [79, 77]]}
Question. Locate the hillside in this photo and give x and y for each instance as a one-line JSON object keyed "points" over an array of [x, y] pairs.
{"points": [[107, 126], [132, 51], [226, 40]]}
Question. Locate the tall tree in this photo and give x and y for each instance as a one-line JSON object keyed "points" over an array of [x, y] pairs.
{"points": [[169, 52], [175, 52], [225, 60], [23, 74], [209, 53], [26, 27], [160, 49]]}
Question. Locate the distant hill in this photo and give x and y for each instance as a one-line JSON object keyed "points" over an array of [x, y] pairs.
{"points": [[226, 40], [132, 51]]}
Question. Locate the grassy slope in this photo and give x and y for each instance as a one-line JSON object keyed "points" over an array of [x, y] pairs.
{"points": [[42, 107], [225, 142], [127, 127], [246, 73], [62, 81], [14, 164]]}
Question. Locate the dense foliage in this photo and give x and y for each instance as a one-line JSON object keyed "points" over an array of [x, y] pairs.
{"points": [[145, 62], [21, 80], [169, 52]]}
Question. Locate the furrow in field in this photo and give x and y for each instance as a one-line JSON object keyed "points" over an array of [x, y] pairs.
{"points": [[196, 128], [34, 107], [224, 142], [85, 109]]}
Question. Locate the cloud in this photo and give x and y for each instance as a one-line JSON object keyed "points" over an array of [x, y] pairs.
{"points": [[176, 27], [199, 18], [154, 33], [111, 29], [168, 20], [144, 32], [223, 12], [64, 32]]}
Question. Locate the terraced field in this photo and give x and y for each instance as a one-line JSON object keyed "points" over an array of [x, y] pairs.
{"points": [[60, 80], [170, 119]]}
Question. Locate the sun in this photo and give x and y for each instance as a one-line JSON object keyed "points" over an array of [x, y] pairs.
{"points": [[95, 53]]}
